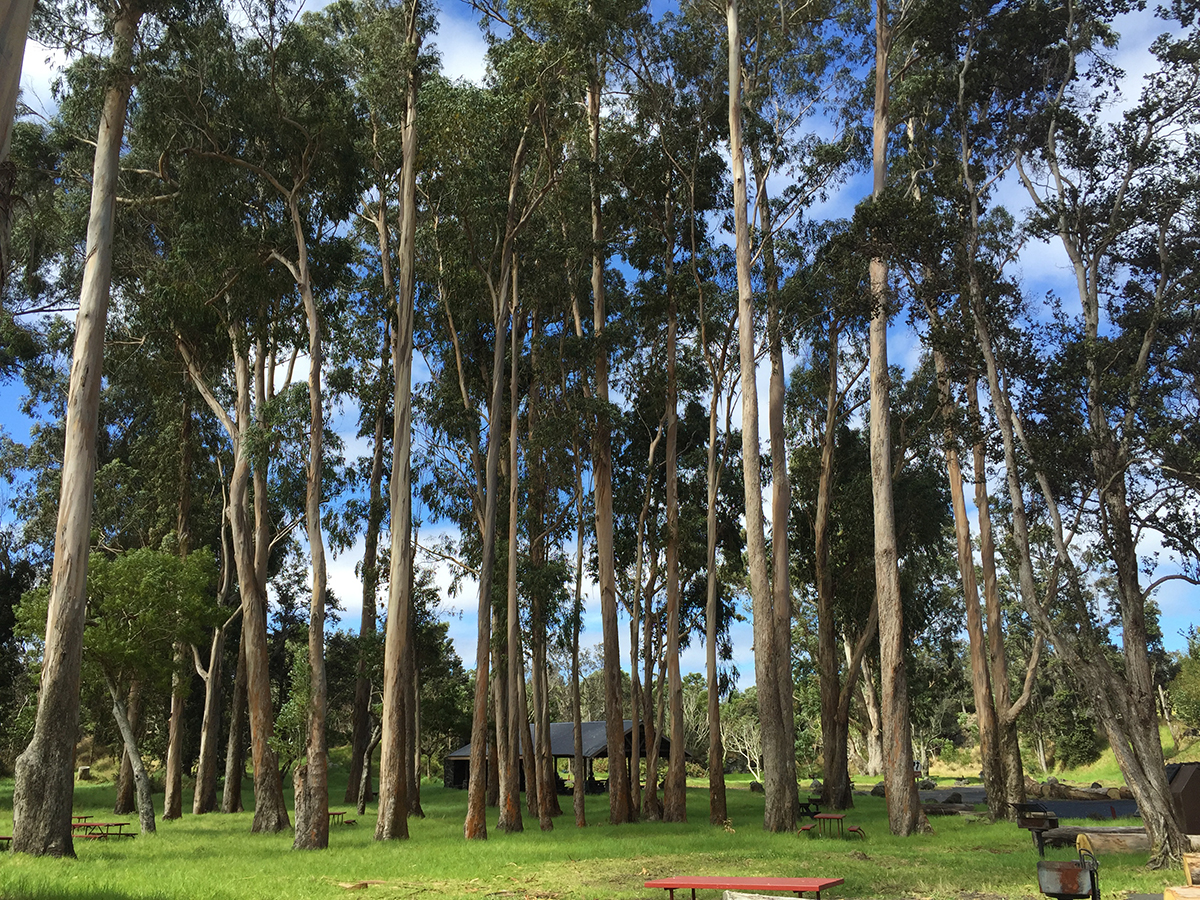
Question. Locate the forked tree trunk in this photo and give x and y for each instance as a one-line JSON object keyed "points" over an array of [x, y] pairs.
{"points": [[126, 801], [780, 807], [145, 804], [45, 772]]}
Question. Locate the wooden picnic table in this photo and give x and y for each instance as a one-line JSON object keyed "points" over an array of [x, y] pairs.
{"points": [[810, 807], [337, 818], [79, 817], [101, 830], [797, 886], [826, 820]]}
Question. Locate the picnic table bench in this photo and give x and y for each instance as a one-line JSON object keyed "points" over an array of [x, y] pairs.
{"points": [[797, 886], [1038, 820], [810, 807], [101, 830]]}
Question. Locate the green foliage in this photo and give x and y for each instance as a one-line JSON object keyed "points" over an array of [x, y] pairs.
{"points": [[1185, 687], [291, 724]]}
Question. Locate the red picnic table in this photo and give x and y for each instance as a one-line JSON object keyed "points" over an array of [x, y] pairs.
{"points": [[797, 886], [101, 830]]}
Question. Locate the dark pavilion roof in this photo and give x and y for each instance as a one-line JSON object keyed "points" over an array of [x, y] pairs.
{"points": [[562, 741]]}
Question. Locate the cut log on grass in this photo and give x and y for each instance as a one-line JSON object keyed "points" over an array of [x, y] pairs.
{"points": [[1181, 893], [947, 809], [1101, 844], [1066, 835], [1191, 866]]}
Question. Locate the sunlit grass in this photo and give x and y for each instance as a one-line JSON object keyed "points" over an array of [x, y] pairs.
{"points": [[215, 856]]}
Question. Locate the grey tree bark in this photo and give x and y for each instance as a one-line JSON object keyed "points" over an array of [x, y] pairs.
{"points": [[44, 776]]}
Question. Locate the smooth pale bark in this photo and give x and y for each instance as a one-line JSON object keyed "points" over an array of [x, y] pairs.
{"points": [[874, 733], [675, 786], [311, 780], [235, 749], [173, 773], [780, 808], [412, 696], [145, 803], [781, 499], [44, 776], [14, 27], [619, 800], [392, 823], [126, 801], [360, 733], [204, 797], [903, 801]]}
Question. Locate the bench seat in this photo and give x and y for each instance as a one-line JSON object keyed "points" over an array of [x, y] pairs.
{"points": [[797, 886]]}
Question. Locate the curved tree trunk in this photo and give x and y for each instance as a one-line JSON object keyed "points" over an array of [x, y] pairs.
{"points": [[145, 804], [126, 801], [45, 772]]}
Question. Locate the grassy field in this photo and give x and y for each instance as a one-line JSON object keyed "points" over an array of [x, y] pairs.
{"points": [[215, 856]]}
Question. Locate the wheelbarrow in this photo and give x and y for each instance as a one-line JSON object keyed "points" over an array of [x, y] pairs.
{"points": [[1070, 879]]}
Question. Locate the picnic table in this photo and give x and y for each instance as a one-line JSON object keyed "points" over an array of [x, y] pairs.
{"points": [[797, 886], [79, 817], [101, 830], [827, 820], [337, 818], [810, 807]]}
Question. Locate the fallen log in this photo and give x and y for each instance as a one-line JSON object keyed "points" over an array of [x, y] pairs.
{"points": [[1066, 835]]}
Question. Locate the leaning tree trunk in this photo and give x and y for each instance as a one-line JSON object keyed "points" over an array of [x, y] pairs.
{"points": [[126, 801], [45, 782], [145, 804], [14, 26]]}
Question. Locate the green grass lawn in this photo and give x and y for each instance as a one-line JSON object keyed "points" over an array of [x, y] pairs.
{"points": [[215, 856]]}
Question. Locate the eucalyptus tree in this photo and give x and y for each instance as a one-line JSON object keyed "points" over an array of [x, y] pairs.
{"points": [[825, 397], [44, 772], [299, 177], [904, 809], [487, 189], [1121, 199], [14, 26]]}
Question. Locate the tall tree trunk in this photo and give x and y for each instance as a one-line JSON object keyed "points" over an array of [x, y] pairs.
{"points": [[392, 823], [126, 801], [180, 677], [14, 27], [904, 804], [1007, 709], [235, 748], [619, 805], [578, 778], [311, 780], [675, 786], [45, 772], [145, 804], [412, 693], [874, 733], [510, 787], [780, 807], [781, 499], [361, 715], [718, 810], [981, 685]]}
